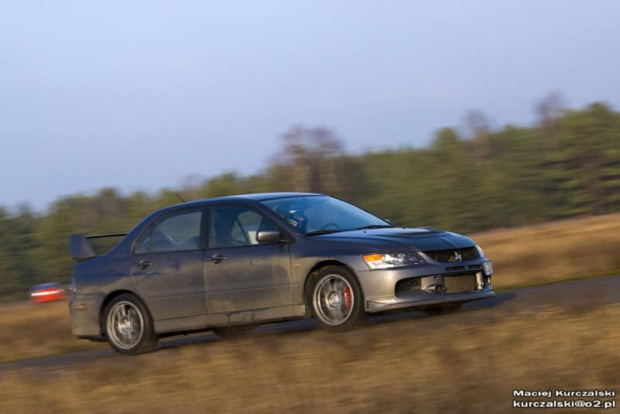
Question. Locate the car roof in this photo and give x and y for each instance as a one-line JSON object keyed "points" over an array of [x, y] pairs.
{"points": [[242, 197], [267, 196]]}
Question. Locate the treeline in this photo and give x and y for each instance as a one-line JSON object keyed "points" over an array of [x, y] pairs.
{"points": [[565, 166]]}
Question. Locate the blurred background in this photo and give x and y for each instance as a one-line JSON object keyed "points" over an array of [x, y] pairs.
{"points": [[497, 119], [472, 116]]}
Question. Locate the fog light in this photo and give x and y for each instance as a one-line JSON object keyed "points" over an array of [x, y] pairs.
{"points": [[488, 268]]}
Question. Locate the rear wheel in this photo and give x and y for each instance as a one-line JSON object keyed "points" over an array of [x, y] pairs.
{"points": [[128, 325], [336, 299]]}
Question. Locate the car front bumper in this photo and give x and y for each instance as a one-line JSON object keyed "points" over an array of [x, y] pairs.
{"points": [[424, 286], [382, 305]]}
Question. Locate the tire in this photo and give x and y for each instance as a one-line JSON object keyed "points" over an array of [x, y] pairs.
{"points": [[442, 310], [227, 333], [128, 325], [336, 299]]}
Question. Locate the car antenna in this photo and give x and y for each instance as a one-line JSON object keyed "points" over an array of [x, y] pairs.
{"points": [[180, 198]]}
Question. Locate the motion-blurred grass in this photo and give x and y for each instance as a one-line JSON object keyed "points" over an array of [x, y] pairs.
{"points": [[427, 365], [32, 330], [553, 251], [528, 256]]}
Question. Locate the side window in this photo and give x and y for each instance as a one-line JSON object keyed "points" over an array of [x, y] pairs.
{"points": [[174, 233], [232, 226]]}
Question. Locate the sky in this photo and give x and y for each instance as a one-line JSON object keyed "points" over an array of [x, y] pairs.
{"points": [[141, 94]]}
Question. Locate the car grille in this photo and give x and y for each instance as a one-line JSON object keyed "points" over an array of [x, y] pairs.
{"points": [[453, 255], [460, 283]]}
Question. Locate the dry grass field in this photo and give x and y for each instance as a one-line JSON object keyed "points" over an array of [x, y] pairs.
{"points": [[554, 251], [28, 331], [426, 365]]}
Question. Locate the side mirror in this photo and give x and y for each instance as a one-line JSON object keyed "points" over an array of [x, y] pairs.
{"points": [[268, 236]]}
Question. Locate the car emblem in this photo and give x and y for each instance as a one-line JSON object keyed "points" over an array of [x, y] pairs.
{"points": [[457, 256]]}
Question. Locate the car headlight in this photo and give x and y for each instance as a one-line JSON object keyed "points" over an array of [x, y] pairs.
{"points": [[389, 260], [480, 252]]}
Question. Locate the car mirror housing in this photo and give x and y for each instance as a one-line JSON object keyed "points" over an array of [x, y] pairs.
{"points": [[268, 236]]}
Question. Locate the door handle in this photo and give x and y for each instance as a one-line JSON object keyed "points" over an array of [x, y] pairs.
{"points": [[216, 258], [143, 264]]}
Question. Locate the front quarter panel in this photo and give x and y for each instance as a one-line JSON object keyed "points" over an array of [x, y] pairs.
{"points": [[308, 254]]}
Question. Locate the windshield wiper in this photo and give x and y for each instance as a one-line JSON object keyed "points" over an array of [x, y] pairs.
{"points": [[319, 232], [375, 226]]}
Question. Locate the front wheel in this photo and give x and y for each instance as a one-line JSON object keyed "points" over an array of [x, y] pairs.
{"points": [[128, 325], [337, 300]]}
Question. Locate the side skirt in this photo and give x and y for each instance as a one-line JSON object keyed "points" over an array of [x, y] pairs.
{"points": [[203, 322]]}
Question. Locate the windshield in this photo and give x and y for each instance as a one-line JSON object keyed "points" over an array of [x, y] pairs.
{"points": [[323, 214]]}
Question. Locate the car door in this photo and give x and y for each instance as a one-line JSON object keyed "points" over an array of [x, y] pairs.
{"points": [[168, 265], [241, 273]]}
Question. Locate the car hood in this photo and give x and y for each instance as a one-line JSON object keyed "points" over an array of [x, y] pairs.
{"points": [[421, 239]]}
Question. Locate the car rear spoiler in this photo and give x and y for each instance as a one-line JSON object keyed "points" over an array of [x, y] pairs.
{"points": [[81, 248]]}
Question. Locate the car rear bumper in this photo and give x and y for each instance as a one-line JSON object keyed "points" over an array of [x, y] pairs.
{"points": [[84, 311]]}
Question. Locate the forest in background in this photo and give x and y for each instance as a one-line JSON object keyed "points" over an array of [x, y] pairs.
{"points": [[567, 165]]}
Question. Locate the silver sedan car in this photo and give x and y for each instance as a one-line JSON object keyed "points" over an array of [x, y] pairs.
{"points": [[243, 260]]}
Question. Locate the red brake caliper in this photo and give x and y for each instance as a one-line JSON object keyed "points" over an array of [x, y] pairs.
{"points": [[348, 298]]}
